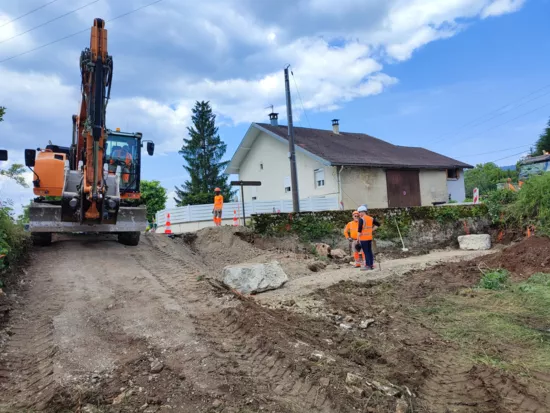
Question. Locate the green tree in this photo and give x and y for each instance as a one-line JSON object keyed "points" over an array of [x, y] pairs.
{"points": [[2, 112], [203, 153], [485, 177], [543, 143], [15, 172], [154, 196]]}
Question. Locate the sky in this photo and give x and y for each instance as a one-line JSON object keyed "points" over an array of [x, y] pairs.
{"points": [[465, 78]]}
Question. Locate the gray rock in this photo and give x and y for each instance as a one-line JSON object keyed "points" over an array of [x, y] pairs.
{"points": [[156, 367], [345, 326], [366, 323], [324, 381], [338, 254], [353, 379], [254, 278], [475, 242], [316, 356]]}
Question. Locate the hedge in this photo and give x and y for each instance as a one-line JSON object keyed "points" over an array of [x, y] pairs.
{"points": [[315, 225]]}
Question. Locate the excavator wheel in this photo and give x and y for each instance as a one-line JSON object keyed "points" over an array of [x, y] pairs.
{"points": [[41, 239], [129, 238]]}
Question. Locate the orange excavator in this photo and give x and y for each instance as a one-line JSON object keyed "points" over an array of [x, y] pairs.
{"points": [[93, 185]]}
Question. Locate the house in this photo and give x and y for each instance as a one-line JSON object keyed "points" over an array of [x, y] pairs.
{"points": [[356, 167]]}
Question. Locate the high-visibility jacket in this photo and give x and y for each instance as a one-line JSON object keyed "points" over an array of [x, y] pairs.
{"points": [[218, 202], [350, 231], [127, 160], [366, 230]]}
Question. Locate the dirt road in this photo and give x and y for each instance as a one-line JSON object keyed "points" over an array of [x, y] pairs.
{"points": [[100, 327]]}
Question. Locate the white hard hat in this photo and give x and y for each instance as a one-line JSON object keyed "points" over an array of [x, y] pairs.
{"points": [[362, 208]]}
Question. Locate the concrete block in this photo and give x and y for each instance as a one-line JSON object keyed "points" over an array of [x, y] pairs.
{"points": [[475, 242]]}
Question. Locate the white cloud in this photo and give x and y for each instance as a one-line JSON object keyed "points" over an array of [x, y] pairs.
{"points": [[9, 44], [231, 52], [499, 7]]}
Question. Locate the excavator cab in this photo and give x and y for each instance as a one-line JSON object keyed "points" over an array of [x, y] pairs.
{"points": [[124, 150]]}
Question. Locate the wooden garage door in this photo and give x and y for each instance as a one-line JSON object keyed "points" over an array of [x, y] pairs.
{"points": [[403, 188]]}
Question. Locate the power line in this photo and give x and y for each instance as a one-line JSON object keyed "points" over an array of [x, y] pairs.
{"points": [[76, 33], [504, 123], [499, 114], [463, 126], [500, 150], [300, 96], [48, 22], [26, 14], [511, 156]]}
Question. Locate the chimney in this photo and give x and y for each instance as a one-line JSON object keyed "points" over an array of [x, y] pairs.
{"points": [[335, 127], [273, 117]]}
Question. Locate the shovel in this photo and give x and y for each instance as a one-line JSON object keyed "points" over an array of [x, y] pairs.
{"points": [[401, 238]]}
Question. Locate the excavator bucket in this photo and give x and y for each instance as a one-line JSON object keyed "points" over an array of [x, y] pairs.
{"points": [[47, 218]]}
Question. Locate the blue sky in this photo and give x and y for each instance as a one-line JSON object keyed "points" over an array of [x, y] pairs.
{"points": [[429, 73]]}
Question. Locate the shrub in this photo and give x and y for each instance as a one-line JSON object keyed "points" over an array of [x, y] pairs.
{"points": [[495, 280], [532, 205], [13, 239], [498, 203]]}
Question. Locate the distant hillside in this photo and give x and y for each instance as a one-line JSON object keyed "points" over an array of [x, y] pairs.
{"points": [[508, 168]]}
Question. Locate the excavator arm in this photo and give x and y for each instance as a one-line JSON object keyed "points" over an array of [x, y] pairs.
{"points": [[96, 68]]}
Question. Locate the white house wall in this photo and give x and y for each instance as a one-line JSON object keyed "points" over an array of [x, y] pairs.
{"points": [[456, 188], [433, 186], [273, 154], [364, 186]]}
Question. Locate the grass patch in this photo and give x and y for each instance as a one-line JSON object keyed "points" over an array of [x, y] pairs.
{"points": [[505, 319]]}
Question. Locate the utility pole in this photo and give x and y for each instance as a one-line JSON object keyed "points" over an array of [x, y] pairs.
{"points": [[291, 148]]}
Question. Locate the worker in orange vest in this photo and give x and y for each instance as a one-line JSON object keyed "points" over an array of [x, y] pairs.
{"points": [[122, 157], [365, 229], [350, 232], [218, 206]]}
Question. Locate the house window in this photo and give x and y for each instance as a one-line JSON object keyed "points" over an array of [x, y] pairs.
{"points": [[452, 173], [287, 184], [261, 166], [319, 177]]}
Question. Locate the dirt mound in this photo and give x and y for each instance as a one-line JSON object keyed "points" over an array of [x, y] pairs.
{"points": [[222, 246], [523, 259]]}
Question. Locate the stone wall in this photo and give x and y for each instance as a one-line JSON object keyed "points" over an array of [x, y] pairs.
{"points": [[422, 228]]}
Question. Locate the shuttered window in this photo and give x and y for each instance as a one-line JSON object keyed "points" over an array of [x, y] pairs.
{"points": [[319, 177]]}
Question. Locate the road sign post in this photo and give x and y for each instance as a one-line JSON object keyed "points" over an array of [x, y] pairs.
{"points": [[242, 184]]}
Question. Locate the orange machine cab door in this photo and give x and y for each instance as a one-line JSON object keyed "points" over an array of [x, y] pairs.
{"points": [[49, 169]]}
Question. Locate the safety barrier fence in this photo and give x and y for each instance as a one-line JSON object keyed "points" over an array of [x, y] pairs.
{"points": [[196, 213]]}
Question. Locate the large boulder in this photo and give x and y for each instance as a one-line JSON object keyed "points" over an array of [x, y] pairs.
{"points": [[254, 278], [475, 242], [323, 250]]}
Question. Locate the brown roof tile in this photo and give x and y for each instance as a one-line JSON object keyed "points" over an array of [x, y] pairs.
{"points": [[363, 150]]}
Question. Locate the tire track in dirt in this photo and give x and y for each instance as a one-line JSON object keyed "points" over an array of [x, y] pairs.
{"points": [[488, 390], [28, 371], [274, 373], [273, 370]]}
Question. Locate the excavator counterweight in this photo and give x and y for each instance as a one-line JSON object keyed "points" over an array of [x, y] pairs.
{"points": [[93, 185]]}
